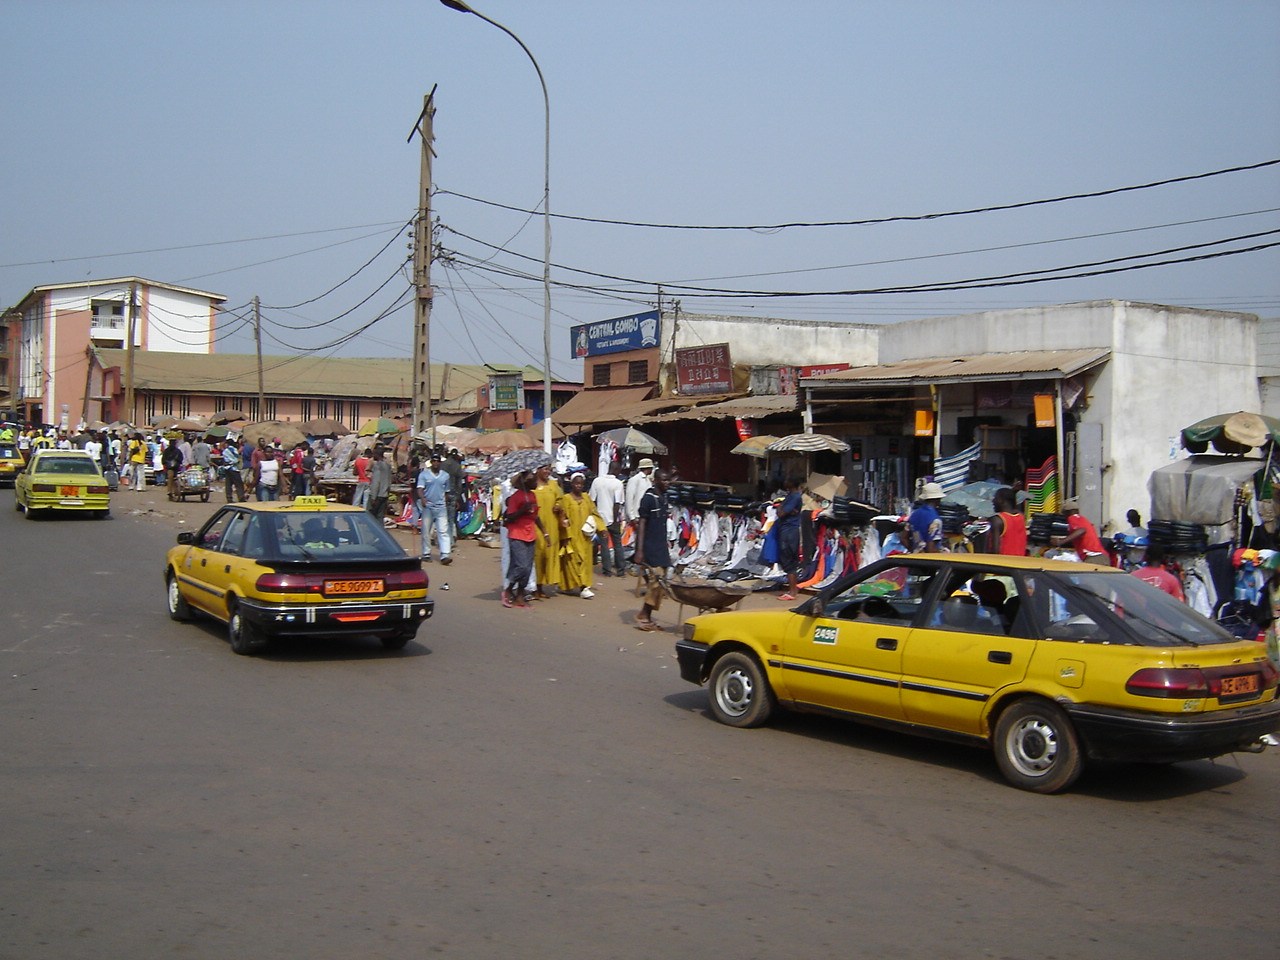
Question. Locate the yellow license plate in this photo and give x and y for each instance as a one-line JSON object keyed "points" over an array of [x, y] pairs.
{"points": [[1239, 686], [70, 491], [339, 587]]}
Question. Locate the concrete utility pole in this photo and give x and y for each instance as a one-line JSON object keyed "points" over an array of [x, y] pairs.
{"points": [[421, 415], [131, 325], [257, 342]]}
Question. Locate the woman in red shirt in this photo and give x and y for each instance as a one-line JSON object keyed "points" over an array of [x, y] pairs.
{"points": [[520, 516]]}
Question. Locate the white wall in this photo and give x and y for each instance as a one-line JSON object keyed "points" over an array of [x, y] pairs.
{"points": [[769, 342], [178, 322]]}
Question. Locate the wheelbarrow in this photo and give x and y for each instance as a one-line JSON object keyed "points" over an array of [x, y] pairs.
{"points": [[707, 596], [192, 482]]}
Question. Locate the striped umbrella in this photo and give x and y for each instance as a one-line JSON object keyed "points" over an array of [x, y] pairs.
{"points": [[807, 443]]}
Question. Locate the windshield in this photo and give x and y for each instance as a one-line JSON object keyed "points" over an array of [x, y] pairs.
{"points": [[63, 465], [325, 535], [1156, 618]]}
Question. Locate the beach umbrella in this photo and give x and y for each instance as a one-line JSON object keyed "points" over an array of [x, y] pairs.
{"points": [[97, 425], [633, 439], [379, 426], [288, 434], [226, 416], [163, 421], [190, 425], [324, 427], [217, 431], [508, 465], [807, 443], [755, 446], [503, 441], [1231, 432]]}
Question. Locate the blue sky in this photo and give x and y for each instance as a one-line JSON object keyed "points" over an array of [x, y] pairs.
{"points": [[253, 148]]}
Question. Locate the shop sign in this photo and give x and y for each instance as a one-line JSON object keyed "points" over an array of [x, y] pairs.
{"points": [[704, 369], [506, 392], [823, 368], [634, 332]]}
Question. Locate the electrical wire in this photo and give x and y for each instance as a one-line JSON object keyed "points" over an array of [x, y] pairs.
{"points": [[394, 237], [900, 218]]}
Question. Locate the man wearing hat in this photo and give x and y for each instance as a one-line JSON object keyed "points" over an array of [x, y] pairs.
{"points": [[924, 526], [639, 482], [1081, 535]]}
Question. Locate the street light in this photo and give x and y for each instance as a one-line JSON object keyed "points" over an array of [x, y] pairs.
{"points": [[462, 7]]}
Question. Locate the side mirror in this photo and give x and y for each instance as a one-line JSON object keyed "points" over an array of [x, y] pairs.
{"points": [[187, 537]]}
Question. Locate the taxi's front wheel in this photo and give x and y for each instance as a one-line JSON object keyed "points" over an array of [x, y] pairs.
{"points": [[245, 638], [178, 607], [740, 693], [1036, 747]]}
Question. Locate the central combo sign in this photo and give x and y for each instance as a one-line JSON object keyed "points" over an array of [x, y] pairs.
{"points": [[635, 332]]}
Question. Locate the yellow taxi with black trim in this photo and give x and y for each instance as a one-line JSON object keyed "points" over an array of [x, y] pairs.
{"points": [[11, 463], [63, 481], [1047, 663], [301, 568]]}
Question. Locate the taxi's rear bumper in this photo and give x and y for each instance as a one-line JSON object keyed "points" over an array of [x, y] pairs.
{"points": [[1110, 734], [378, 618]]}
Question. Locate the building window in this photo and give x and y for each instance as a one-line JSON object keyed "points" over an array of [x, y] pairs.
{"points": [[339, 409], [253, 409], [149, 407], [385, 408], [305, 408], [322, 408], [600, 375], [637, 371], [184, 405], [166, 404], [271, 409]]}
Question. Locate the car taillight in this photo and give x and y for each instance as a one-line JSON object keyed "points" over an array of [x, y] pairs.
{"points": [[97, 489], [407, 580], [1169, 683], [44, 488], [289, 583]]}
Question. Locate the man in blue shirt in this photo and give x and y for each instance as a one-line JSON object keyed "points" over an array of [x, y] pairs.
{"points": [[788, 522], [434, 486], [925, 523]]}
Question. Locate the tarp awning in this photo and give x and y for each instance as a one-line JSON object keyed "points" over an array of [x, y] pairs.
{"points": [[1019, 365], [747, 407], [1200, 489], [601, 405]]}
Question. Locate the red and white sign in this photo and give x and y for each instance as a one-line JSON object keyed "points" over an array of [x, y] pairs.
{"points": [[704, 369], [824, 368]]}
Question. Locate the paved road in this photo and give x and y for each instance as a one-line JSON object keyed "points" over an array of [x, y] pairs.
{"points": [[540, 784]]}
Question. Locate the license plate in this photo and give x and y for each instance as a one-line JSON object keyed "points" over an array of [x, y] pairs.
{"points": [[70, 491], [340, 587], [1239, 686]]}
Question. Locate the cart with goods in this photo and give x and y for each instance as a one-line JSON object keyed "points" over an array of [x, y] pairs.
{"points": [[192, 482]]}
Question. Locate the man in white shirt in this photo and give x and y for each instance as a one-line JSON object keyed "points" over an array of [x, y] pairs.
{"points": [[610, 500], [639, 482]]}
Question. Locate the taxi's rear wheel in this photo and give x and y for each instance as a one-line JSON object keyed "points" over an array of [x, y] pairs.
{"points": [[740, 693], [178, 607], [245, 638], [1036, 747]]}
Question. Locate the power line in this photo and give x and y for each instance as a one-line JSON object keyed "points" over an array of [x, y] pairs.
{"points": [[900, 218]]}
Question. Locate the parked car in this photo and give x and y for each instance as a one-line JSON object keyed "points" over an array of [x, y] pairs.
{"points": [[61, 481], [1047, 663], [301, 568]]}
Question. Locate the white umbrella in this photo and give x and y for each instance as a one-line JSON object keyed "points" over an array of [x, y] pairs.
{"points": [[807, 443]]}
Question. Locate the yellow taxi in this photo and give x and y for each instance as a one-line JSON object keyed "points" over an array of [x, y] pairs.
{"points": [[11, 463], [1047, 663], [63, 481], [301, 568]]}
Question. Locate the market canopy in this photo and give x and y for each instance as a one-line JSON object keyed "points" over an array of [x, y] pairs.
{"points": [[1231, 432], [634, 439], [755, 446]]}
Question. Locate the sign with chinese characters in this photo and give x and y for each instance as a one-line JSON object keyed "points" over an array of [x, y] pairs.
{"points": [[635, 332], [704, 369], [506, 392]]}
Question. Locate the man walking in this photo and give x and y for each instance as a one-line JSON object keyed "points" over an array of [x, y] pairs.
{"points": [[379, 484], [433, 492], [653, 555], [609, 498]]}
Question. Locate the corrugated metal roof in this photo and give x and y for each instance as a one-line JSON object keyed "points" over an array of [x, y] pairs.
{"points": [[599, 405], [300, 375], [737, 407], [1022, 365]]}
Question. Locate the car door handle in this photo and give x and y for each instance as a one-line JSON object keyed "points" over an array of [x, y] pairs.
{"points": [[227, 568], [886, 643], [1000, 656], [204, 562]]}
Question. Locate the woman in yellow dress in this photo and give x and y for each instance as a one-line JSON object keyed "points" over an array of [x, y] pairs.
{"points": [[577, 561], [546, 557]]}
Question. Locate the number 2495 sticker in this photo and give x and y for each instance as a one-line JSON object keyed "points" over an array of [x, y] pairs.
{"points": [[825, 635]]}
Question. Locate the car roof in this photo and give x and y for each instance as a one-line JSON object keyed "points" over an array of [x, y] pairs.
{"points": [[997, 560], [53, 452], [290, 507]]}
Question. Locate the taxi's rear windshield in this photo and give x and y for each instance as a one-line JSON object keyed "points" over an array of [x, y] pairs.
{"points": [[318, 536], [66, 465], [1152, 617]]}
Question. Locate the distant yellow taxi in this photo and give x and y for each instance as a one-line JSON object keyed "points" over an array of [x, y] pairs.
{"points": [[63, 481], [301, 568], [1047, 663], [11, 464]]}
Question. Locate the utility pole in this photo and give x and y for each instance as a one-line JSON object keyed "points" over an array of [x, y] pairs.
{"points": [[421, 415], [131, 326], [257, 343]]}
